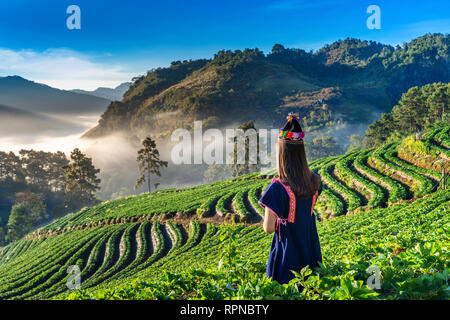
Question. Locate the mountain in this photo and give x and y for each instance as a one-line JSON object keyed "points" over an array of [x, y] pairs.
{"points": [[113, 94], [350, 82], [27, 123], [353, 52], [27, 95]]}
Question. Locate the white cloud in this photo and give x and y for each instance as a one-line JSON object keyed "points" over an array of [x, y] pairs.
{"points": [[61, 68]]}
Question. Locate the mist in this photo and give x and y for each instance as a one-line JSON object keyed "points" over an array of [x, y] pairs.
{"points": [[115, 155]]}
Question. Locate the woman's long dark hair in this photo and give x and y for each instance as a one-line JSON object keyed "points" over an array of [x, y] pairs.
{"points": [[293, 169]]}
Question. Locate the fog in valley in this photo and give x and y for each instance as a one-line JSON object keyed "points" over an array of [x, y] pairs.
{"points": [[115, 155]]}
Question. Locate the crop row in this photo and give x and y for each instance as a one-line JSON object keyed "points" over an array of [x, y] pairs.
{"points": [[345, 168], [332, 201], [350, 197], [421, 185], [417, 173], [404, 241], [396, 190], [238, 205]]}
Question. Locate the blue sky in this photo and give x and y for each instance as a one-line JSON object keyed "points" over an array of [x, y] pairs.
{"points": [[120, 39]]}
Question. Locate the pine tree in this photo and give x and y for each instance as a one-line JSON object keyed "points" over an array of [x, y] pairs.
{"points": [[438, 102], [411, 110], [148, 162], [81, 181], [238, 169]]}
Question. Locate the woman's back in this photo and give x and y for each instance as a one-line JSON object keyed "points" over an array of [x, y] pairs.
{"points": [[295, 243], [288, 203]]}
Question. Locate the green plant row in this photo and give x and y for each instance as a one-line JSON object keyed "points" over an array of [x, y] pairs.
{"points": [[35, 262], [439, 141], [332, 201], [224, 201], [143, 250], [396, 190], [58, 280], [406, 242], [238, 204], [110, 258], [254, 194], [156, 236], [175, 234], [420, 184], [351, 198], [185, 201], [193, 237], [416, 173], [49, 273], [345, 167]]}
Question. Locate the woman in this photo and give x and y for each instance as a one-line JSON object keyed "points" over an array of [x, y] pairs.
{"points": [[288, 202]]}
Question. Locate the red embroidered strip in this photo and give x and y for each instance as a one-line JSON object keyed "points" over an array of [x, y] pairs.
{"points": [[316, 195], [291, 216]]}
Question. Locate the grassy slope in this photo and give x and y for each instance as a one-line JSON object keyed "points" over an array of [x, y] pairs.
{"points": [[120, 241], [408, 242]]}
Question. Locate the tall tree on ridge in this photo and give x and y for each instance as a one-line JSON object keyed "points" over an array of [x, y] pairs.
{"points": [[148, 162], [81, 180]]}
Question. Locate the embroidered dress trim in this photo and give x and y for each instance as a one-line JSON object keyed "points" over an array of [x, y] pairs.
{"points": [[291, 216], [316, 195]]}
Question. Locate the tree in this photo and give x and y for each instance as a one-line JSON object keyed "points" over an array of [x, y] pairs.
{"points": [[277, 48], [11, 166], [322, 147], [35, 165], [216, 172], [356, 143], [24, 216], [239, 169], [438, 102], [2, 234], [419, 108], [81, 181], [56, 173], [148, 162], [410, 112]]}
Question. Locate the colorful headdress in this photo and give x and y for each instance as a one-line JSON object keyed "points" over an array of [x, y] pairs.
{"points": [[292, 131]]}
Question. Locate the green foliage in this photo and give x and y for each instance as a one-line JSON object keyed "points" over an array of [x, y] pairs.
{"points": [[151, 247], [356, 143], [353, 51], [81, 180], [24, 216], [322, 148], [250, 164], [216, 172], [403, 241], [418, 109], [148, 162], [2, 234], [358, 76], [33, 171]]}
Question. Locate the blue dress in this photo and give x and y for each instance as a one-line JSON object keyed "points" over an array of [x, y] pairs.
{"points": [[295, 243]]}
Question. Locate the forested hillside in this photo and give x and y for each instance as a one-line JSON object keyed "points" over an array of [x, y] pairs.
{"points": [[418, 109], [349, 81]]}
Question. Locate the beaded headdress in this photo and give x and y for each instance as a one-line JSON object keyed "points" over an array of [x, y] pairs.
{"points": [[292, 131]]}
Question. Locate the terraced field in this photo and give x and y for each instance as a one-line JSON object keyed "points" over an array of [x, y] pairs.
{"points": [[175, 229]]}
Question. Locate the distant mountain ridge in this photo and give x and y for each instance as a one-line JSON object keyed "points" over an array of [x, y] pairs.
{"points": [[113, 94], [17, 122], [23, 94], [349, 81]]}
